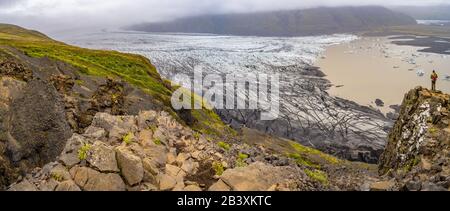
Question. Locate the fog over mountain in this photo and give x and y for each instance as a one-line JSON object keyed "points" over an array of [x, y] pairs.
{"points": [[306, 22], [440, 12], [53, 15]]}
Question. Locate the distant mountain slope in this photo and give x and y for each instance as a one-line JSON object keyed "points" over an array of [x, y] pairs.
{"points": [[441, 12], [324, 20]]}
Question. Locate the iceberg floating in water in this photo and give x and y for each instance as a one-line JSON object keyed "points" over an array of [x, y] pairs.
{"points": [[420, 73], [447, 77], [412, 61]]}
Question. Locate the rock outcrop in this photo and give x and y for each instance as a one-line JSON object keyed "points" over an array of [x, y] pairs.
{"points": [[37, 124], [418, 152]]}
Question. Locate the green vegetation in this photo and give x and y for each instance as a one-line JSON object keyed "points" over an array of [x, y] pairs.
{"points": [[434, 131], [240, 161], [157, 141], [209, 138], [128, 138], [8, 31], [83, 151], [79, 82], [134, 69], [411, 164], [57, 177], [208, 122], [318, 176], [153, 128], [242, 156], [115, 97], [224, 146], [196, 135], [218, 168], [304, 156], [303, 161], [300, 149]]}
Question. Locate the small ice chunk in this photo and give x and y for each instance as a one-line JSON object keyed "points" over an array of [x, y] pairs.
{"points": [[411, 61], [447, 77], [420, 73]]}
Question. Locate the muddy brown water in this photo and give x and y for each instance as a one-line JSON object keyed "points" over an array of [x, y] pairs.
{"points": [[373, 68]]}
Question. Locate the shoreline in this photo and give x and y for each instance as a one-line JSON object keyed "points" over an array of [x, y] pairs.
{"points": [[376, 71]]}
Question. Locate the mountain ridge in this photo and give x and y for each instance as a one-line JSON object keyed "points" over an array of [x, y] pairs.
{"points": [[316, 21]]}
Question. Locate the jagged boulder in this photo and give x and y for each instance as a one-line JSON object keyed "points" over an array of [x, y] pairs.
{"points": [[379, 103], [219, 186], [116, 128], [146, 119], [69, 156], [91, 180], [81, 175], [192, 188], [130, 165], [38, 127], [60, 173], [95, 133], [68, 185], [255, 177], [105, 182], [166, 182], [102, 157], [382, 186], [25, 185]]}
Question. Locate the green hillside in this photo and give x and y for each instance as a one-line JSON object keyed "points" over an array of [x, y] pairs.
{"points": [[134, 69]]}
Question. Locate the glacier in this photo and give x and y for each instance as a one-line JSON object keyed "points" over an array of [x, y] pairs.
{"points": [[308, 113]]}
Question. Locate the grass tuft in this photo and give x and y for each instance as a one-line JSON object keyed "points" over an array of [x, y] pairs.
{"points": [[218, 168], [128, 138], [83, 151], [240, 161], [318, 176], [300, 149], [224, 146]]}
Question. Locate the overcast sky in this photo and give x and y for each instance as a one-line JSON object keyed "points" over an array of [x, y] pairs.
{"points": [[48, 15]]}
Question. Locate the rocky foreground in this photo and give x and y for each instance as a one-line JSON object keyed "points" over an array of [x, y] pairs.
{"points": [[152, 151]]}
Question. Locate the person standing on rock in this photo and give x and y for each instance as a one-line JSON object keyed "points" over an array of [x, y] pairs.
{"points": [[434, 77]]}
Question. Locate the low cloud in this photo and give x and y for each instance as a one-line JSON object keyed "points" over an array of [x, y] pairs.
{"points": [[48, 15]]}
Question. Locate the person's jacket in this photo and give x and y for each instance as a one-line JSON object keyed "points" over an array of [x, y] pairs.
{"points": [[434, 77]]}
